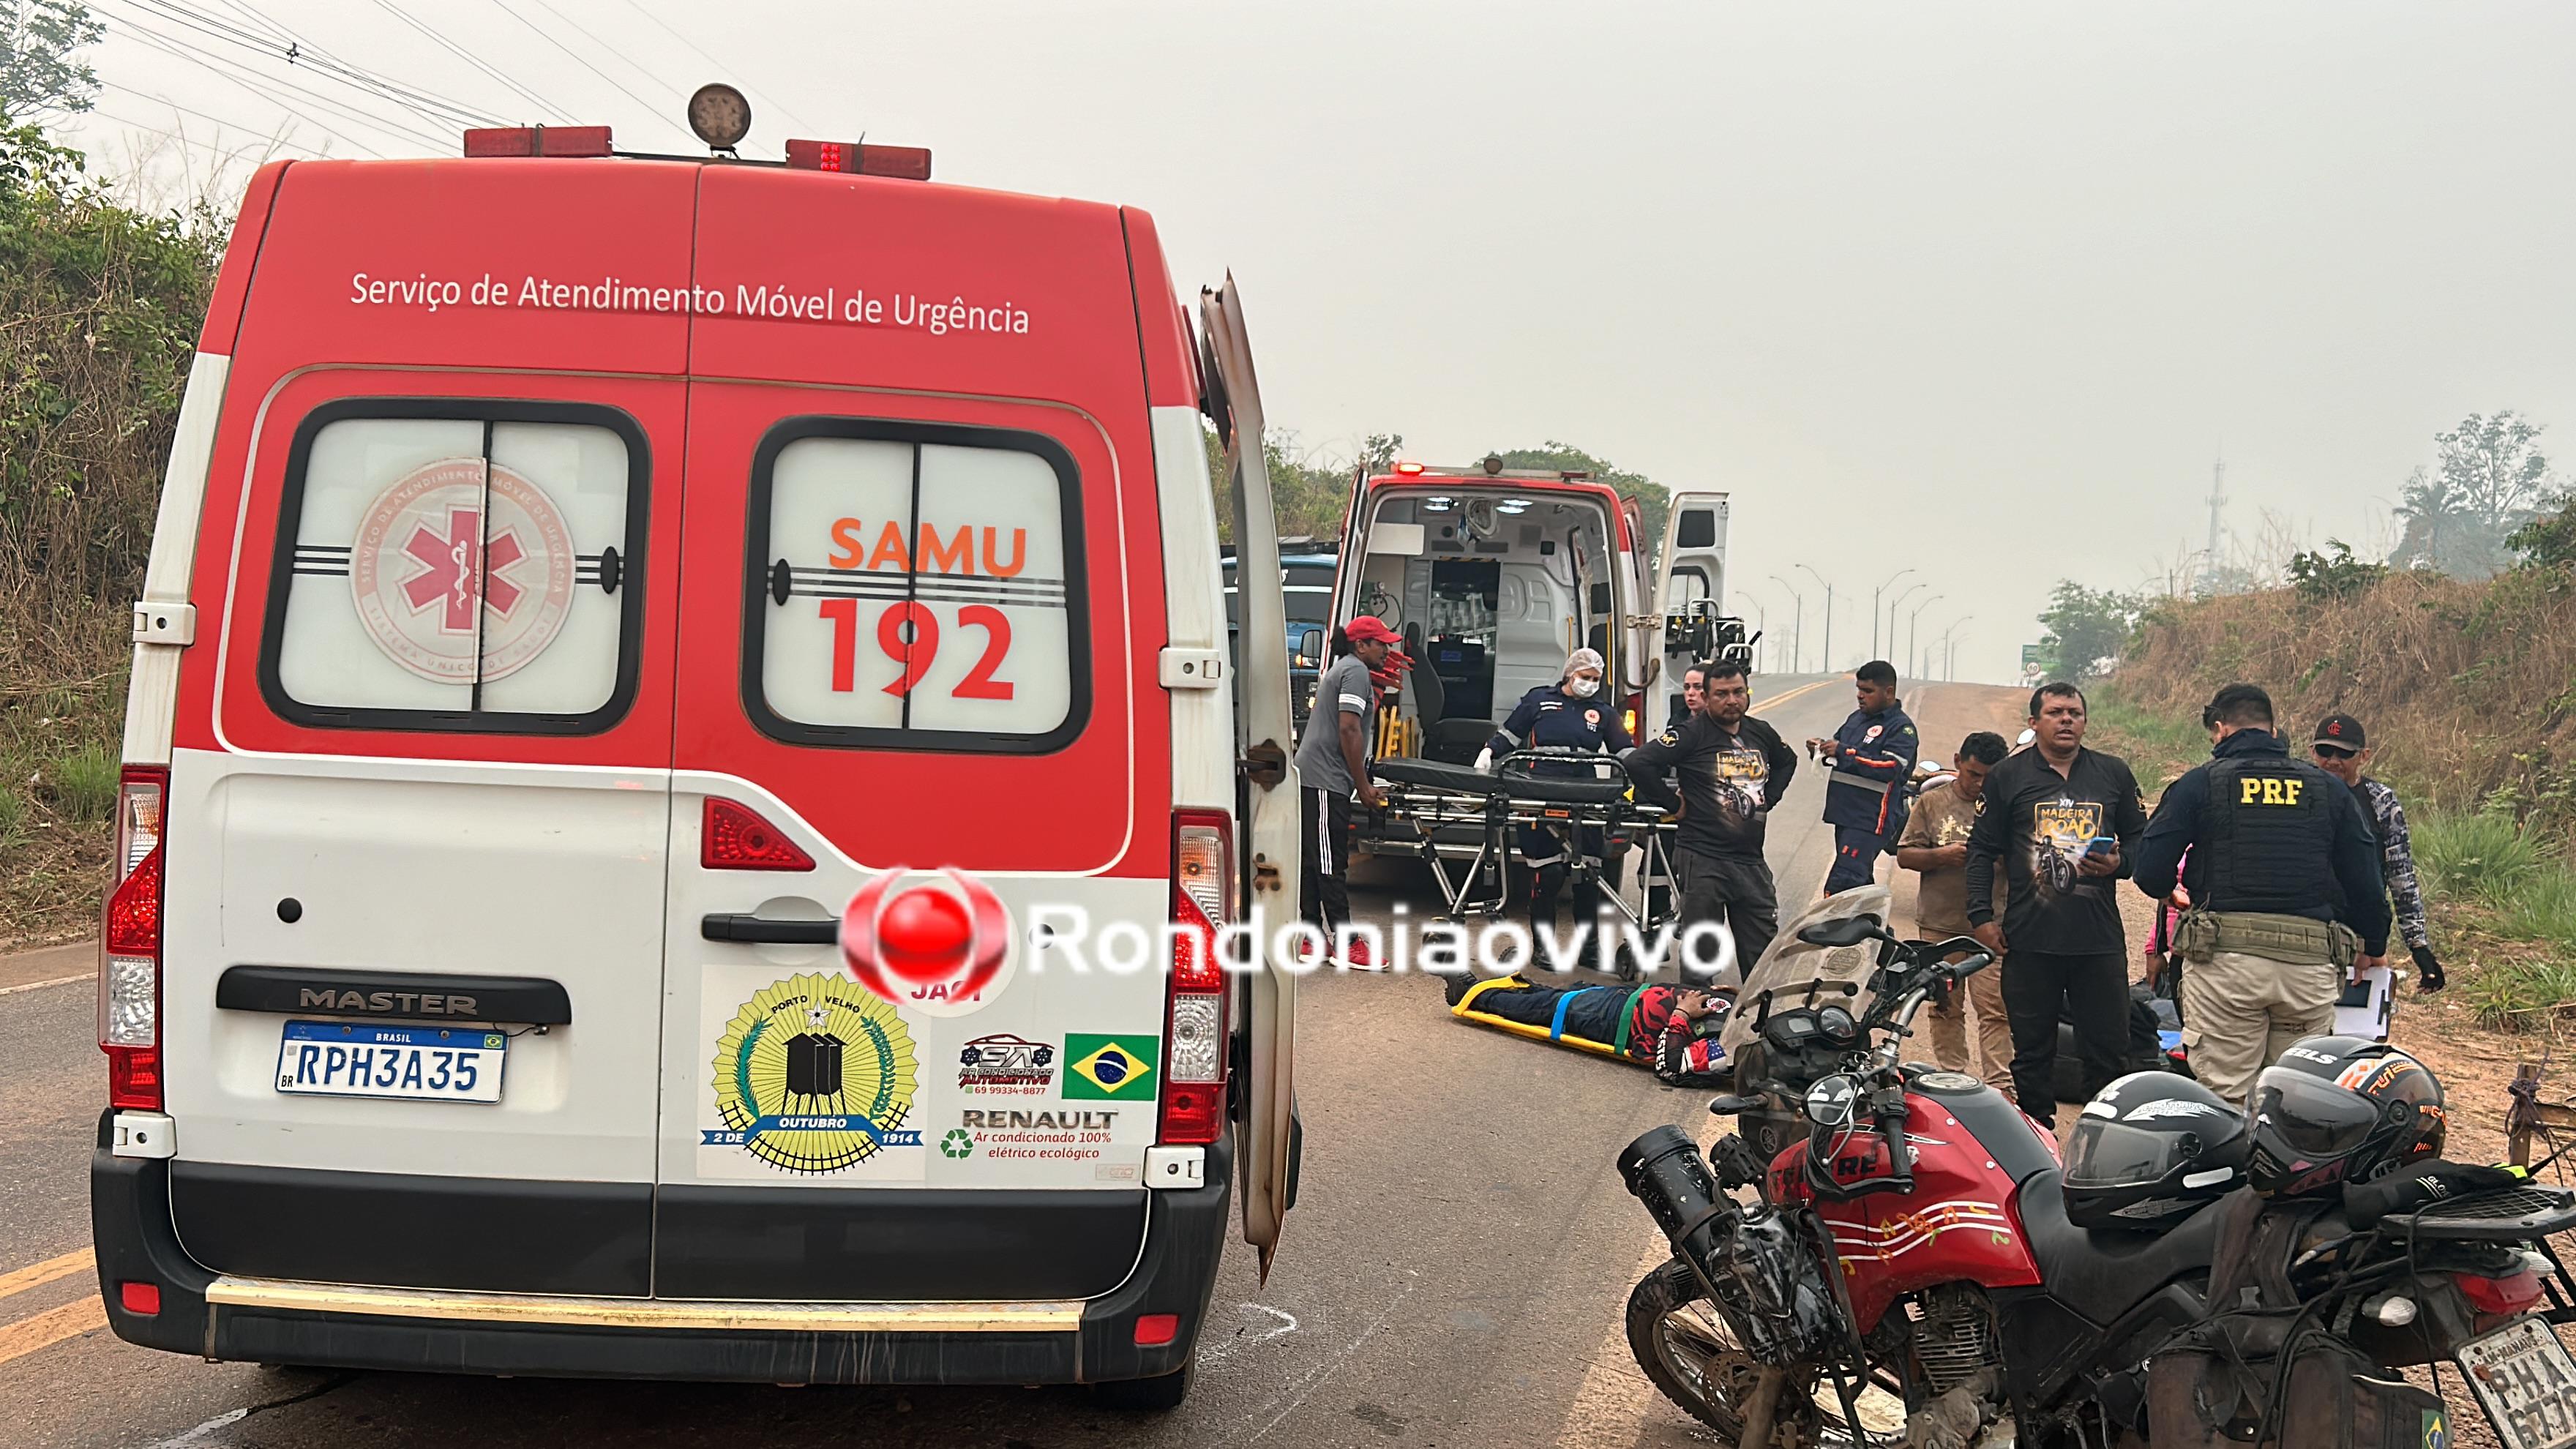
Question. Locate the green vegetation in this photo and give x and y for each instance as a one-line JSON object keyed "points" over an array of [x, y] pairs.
{"points": [[99, 307], [2476, 856], [2086, 630], [2158, 744]]}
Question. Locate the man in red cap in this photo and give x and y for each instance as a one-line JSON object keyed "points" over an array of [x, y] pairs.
{"points": [[1332, 764]]}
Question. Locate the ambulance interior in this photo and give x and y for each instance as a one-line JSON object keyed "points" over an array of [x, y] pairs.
{"points": [[1491, 588]]}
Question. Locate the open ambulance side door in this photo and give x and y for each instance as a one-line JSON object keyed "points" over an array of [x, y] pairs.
{"points": [[1270, 888], [1690, 585]]}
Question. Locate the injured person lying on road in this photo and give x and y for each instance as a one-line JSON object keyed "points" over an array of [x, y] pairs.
{"points": [[1673, 1029]]}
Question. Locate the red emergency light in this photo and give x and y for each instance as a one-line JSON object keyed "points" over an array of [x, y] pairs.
{"points": [[903, 163], [538, 141]]}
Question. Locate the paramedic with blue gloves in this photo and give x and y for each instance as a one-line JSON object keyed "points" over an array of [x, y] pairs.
{"points": [[1569, 714], [1872, 757]]}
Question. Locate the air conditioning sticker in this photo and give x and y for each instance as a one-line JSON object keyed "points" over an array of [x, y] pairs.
{"points": [[458, 577], [813, 1075]]}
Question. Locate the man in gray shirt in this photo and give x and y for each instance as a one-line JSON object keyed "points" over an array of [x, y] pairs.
{"points": [[1332, 764]]}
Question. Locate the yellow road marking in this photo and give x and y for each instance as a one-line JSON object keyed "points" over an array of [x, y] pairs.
{"points": [[46, 1272], [1781, 699], [51, 1327]]}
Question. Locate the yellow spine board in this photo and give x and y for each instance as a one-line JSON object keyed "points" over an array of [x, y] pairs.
{"points": [[1466, 1010]]}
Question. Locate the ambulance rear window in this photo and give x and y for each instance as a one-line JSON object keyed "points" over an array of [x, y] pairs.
{"points": [[914, 586], [450, 564]]}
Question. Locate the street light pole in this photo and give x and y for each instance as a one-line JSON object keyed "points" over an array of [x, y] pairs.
{"points": [[1897, 603], [1798, 635], [1873, 606], [1825, 662], [1949, 643], [1912, 621]]}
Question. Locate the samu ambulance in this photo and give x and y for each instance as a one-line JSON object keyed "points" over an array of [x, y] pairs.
{"points": [[1493, 575], [630, 648]]}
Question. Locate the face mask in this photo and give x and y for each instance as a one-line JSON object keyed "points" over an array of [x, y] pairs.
{"points": [[1583, 688]]}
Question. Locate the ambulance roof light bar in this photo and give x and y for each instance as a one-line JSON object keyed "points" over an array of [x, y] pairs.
{"points": [[1491, 466], [538, 141], [903, 163]]}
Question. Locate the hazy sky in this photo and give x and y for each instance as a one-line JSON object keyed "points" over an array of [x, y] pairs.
{"points": [[1981, 289]]}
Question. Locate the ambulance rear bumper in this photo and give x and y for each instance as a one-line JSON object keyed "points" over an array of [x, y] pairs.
{"points": [[222, 1317]]}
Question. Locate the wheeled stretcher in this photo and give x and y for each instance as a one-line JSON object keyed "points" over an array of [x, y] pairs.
{"points": [[1440, 800]]}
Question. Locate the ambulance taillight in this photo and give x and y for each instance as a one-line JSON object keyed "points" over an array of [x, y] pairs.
{"points": [[903, 163], [1194, 1050], [733, 836], [129, 979], [538, 141]]}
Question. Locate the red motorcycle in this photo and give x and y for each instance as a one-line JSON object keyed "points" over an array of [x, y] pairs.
{"points": [[1908, 1272], [1908, 1264]]}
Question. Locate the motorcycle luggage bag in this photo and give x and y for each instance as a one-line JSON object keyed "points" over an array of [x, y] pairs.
{"points": [[2338, 1399]]}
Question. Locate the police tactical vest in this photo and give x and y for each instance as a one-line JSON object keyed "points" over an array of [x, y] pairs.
{"points": [[2266, 838]]}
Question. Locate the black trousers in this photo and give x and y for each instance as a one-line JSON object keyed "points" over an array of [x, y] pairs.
{"points": [[2092, 991], [1737, 891], [1326, 860]]}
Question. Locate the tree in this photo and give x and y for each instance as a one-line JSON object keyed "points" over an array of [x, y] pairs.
{"points": [[2487, 481], [39, 79], [2087, 628], [1309, 492], [1654, 501]]}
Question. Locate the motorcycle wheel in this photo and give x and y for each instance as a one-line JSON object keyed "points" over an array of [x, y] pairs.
{"points": [[1683, 1344]]}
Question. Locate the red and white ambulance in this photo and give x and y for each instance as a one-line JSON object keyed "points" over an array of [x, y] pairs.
{"points": [[1494, 574], [631, 649]]}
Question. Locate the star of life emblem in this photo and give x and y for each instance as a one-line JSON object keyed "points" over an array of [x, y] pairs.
{"points": [[442, 588]]}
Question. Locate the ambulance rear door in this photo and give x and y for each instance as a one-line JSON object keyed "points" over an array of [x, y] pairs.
{"points": [[916, 659], [1690, 583], [1269, 1149]]}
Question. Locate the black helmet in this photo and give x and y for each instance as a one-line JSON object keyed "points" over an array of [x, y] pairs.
{"points": [[2150, 1151], [2338, 1109]]}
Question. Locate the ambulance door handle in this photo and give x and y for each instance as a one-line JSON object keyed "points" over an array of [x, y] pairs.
{"points": [[758, 930]]}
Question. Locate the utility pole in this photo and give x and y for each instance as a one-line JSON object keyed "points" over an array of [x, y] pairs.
{"points": [[1798, 634], [1825, 662], [1949, 647], [1873, 608], [1911, 621], [1892, 606], [2217, 505]]}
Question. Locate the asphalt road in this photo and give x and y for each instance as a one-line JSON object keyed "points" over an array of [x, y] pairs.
{"points": [[1453, 1274]]}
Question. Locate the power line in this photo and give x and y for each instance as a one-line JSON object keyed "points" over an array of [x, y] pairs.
{"points": [[262, 87], [542, 34], [164, 131], [766, 96], [276, 136], [613, 50], [544, 107], [265, 88], [434, 108]]}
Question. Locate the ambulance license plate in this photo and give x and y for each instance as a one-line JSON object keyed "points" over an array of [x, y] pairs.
{"points": [[2526, 1382], [419, 1063]]}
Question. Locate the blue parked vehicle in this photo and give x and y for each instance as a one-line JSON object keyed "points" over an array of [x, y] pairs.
{"points": [[1306, 578]]}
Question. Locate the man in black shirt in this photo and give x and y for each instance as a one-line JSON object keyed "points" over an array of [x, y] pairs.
{"points": [[1733, 769], [2063, 820]]}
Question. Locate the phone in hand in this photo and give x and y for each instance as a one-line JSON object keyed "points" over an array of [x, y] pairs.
{"points": [[2102, 845]]}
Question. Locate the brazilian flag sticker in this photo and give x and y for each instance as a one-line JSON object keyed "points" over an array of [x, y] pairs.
{"points": [[1109, 1068]]}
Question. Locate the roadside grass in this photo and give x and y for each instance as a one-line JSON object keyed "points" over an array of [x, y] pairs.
{"points": [[2504, 903], [59, 753], [2158, 744], [2477, 855]]}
